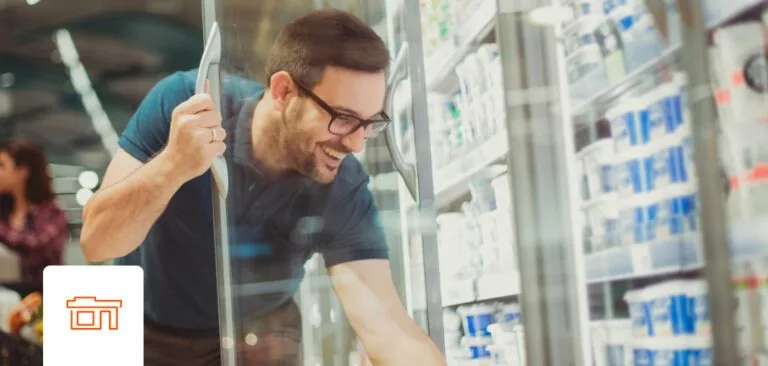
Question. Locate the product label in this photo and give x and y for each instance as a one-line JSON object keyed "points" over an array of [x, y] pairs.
{"points": [[664, 357], [680, 172], [658, 168], [477, 325], [668, 315], [672, 119], [635, 170], [643, 357], [607, 180], [631, 221], [639, 319], [654, 222], [700, 314], [675, 216], [512, 318], [700, 357], [657, 120], [624, 130], [688, 212]]}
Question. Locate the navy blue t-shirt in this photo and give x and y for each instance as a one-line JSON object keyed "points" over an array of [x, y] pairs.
{"points": [[274, 227]]}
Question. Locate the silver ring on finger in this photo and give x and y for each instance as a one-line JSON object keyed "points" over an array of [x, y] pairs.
{"points": [[213, 135]]}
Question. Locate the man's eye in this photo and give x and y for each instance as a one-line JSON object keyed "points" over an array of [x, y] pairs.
{"points": [[347, 119]]}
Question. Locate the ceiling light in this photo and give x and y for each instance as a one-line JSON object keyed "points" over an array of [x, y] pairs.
{"points": [[83, 195], [32, 2], [88, 179]]}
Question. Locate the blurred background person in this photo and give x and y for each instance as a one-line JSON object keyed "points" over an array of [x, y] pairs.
{"points": [[32, 223]]}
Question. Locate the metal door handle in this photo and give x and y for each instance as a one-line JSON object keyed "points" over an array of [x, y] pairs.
{"points": [[212, 56], [406, 170]]}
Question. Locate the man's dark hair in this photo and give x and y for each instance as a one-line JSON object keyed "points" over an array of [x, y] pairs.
{"points": [[328, 37]]}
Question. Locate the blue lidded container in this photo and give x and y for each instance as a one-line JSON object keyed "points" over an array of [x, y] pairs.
{"points": [[476, 319]]}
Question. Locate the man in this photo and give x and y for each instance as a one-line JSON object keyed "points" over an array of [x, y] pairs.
{"points": [[295, 189]]}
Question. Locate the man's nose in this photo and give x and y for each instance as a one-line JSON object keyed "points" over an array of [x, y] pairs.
{"points": [[355, 141]]}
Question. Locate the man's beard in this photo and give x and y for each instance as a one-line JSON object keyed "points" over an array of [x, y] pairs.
{"points": [[298, 146]]}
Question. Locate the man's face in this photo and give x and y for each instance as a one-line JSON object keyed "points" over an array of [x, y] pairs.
{"points": [[309, 145]]}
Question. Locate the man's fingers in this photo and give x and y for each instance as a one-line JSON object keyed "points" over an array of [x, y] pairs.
{"points": [[196, 104], [208, 119], [219, 134]]}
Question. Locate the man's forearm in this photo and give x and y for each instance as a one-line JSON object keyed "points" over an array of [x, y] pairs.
{"points": [[407, 344], [117, 219]]}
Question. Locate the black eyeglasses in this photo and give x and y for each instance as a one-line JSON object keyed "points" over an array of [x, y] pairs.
{"points": [[343, 124]]}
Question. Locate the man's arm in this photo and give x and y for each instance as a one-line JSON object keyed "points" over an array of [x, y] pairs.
{"points": [[133, 195], [373, 308], [118, 217]]}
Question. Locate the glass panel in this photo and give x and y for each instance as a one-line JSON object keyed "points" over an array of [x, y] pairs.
{"points": [[297, 213], [478, 273], [644, 93]]}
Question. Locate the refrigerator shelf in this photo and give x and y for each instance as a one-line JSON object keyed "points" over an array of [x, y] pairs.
{"points": [[487, 288], [452, 181], [749, 239], [440, 67], [443, 78], [620, 87]]}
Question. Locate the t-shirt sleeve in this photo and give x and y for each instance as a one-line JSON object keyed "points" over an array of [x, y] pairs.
{"points": [[147, 131], [357, 230]]}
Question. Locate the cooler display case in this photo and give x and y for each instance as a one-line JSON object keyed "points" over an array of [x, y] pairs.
{"points": [[565, 182]]}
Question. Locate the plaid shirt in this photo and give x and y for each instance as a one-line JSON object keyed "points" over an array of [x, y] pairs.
{"points": [[40, 242]]}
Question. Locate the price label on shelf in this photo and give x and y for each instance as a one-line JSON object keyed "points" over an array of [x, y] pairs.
{"points": [[641, 258]]}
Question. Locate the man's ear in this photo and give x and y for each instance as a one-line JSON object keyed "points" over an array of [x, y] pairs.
{"points": [[281, 89]]}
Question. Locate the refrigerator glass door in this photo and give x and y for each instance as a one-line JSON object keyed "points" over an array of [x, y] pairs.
{"points": [[277, 297]]}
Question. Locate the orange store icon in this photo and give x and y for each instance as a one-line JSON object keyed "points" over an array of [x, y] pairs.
{"points": [[90, 313]]}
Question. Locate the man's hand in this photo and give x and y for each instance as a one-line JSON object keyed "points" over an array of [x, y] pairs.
{"points": [[388, 334], [196, 137]]}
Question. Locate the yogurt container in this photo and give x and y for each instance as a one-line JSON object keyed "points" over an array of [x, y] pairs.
{"points": [[601, 221], [588, 7], [632, 177], [598, 168], [657, 213], [661, 165], [635, 216], [476, 319], [638, 312], [478, 347], [698, 307], [667, 305], [684, 169], [510, 314], [659, 115], [627, 126], [678, 351]]}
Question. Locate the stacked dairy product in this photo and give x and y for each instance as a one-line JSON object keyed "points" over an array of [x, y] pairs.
{"points": [[596, 168], [472, 114], [611, 342], [655, 175], [478, 241], [606, 40], [670, 324], [486, 332]]}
